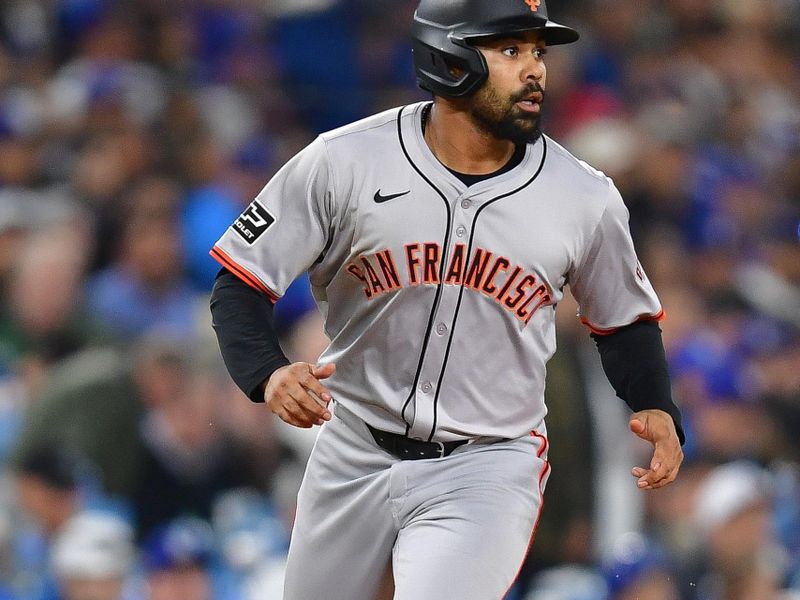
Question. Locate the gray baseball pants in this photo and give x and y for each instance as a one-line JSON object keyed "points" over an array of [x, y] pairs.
{"points": [[453, 527]]}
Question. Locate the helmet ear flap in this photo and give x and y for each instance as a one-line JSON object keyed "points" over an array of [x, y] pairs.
{"points": [[446, 66]]}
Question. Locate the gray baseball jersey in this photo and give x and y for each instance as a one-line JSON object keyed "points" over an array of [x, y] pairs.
{"points": [[439, 299]]}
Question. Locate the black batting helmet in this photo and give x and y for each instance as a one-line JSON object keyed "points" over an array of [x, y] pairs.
{"points": [[444, 31]]}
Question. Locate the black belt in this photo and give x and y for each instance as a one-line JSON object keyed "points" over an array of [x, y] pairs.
{"points": [[407, 449]]}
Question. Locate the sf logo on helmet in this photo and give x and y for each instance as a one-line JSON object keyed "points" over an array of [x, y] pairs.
{"points": [[534, 4]]}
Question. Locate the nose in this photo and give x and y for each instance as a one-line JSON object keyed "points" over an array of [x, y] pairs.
{"points": [[533, 70]]}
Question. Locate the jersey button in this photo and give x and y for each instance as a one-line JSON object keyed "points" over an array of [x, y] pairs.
{"points": [[441, 328], [466, 203], [461, 231], [426, 387]]}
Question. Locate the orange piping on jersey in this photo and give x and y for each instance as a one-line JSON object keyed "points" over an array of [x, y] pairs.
{"points": [[608, 331], [542, 452], [254, 282], [545, 469]]}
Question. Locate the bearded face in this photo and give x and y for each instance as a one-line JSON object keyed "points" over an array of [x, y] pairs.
{"points": [[502, 116]]}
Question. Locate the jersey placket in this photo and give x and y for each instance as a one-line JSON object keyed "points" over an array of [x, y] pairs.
{"points": [[429, 393], [422, 416]]}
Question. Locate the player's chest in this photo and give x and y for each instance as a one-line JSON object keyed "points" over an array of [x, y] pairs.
{"points": [[427, 234]]}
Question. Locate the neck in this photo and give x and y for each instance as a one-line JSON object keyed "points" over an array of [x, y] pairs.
{"points": [[457, 141]]}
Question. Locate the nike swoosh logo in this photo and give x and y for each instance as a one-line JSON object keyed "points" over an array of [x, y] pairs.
{"points": [[379, 198]]}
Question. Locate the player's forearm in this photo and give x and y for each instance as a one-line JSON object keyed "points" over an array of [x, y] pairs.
{"points": [[636, 366], [243, 321]]}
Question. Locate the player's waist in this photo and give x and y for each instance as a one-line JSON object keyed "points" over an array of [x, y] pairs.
{"points": [[402, 446], [396, 444], [453, 422], [406, 448]]}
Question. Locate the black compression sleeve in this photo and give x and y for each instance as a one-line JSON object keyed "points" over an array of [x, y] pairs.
{"points": [[636, 366], [243, 321]]}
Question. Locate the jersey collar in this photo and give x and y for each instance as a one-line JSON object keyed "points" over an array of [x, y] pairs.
{"points": [[418, 152]]}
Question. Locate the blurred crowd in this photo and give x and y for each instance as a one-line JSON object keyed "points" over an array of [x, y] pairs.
{"points": [[133, 132]]}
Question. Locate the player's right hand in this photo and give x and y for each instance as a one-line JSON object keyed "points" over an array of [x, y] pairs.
{"points": [[295, 394]]}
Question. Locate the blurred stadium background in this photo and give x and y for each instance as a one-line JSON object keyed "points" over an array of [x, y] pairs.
{"points": [[133, 132]]}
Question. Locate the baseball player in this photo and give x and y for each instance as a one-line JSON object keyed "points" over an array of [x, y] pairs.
{"points": [[438, 238]]}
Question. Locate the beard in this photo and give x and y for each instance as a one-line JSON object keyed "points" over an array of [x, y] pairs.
{"points": [[502, 119]]}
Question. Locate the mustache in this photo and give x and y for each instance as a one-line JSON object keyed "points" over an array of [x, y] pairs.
{"points": [[533, 88]]}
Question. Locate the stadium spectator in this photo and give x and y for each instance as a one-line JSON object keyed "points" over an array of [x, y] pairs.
{"points": [[145, 287], [187, 456], [47, 487], [45, 319], [639, 570], [92, 557], [177, 558], [49, 496], [733, 513]]}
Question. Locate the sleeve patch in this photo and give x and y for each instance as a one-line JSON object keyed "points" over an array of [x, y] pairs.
{"points": [[253, 222]]}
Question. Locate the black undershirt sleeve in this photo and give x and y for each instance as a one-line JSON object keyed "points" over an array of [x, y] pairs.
{"points": [[635, 363], [243, 321]]}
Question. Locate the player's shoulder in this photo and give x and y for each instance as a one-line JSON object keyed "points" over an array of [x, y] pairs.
{"points": [[594, 191], [576, 170], [372, 128]]}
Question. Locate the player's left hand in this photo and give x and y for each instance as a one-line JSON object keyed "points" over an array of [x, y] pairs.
{"points": [[657, 427]]}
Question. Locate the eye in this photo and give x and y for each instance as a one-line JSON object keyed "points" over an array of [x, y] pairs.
{"points": [[511, 51], [540, 52]]}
